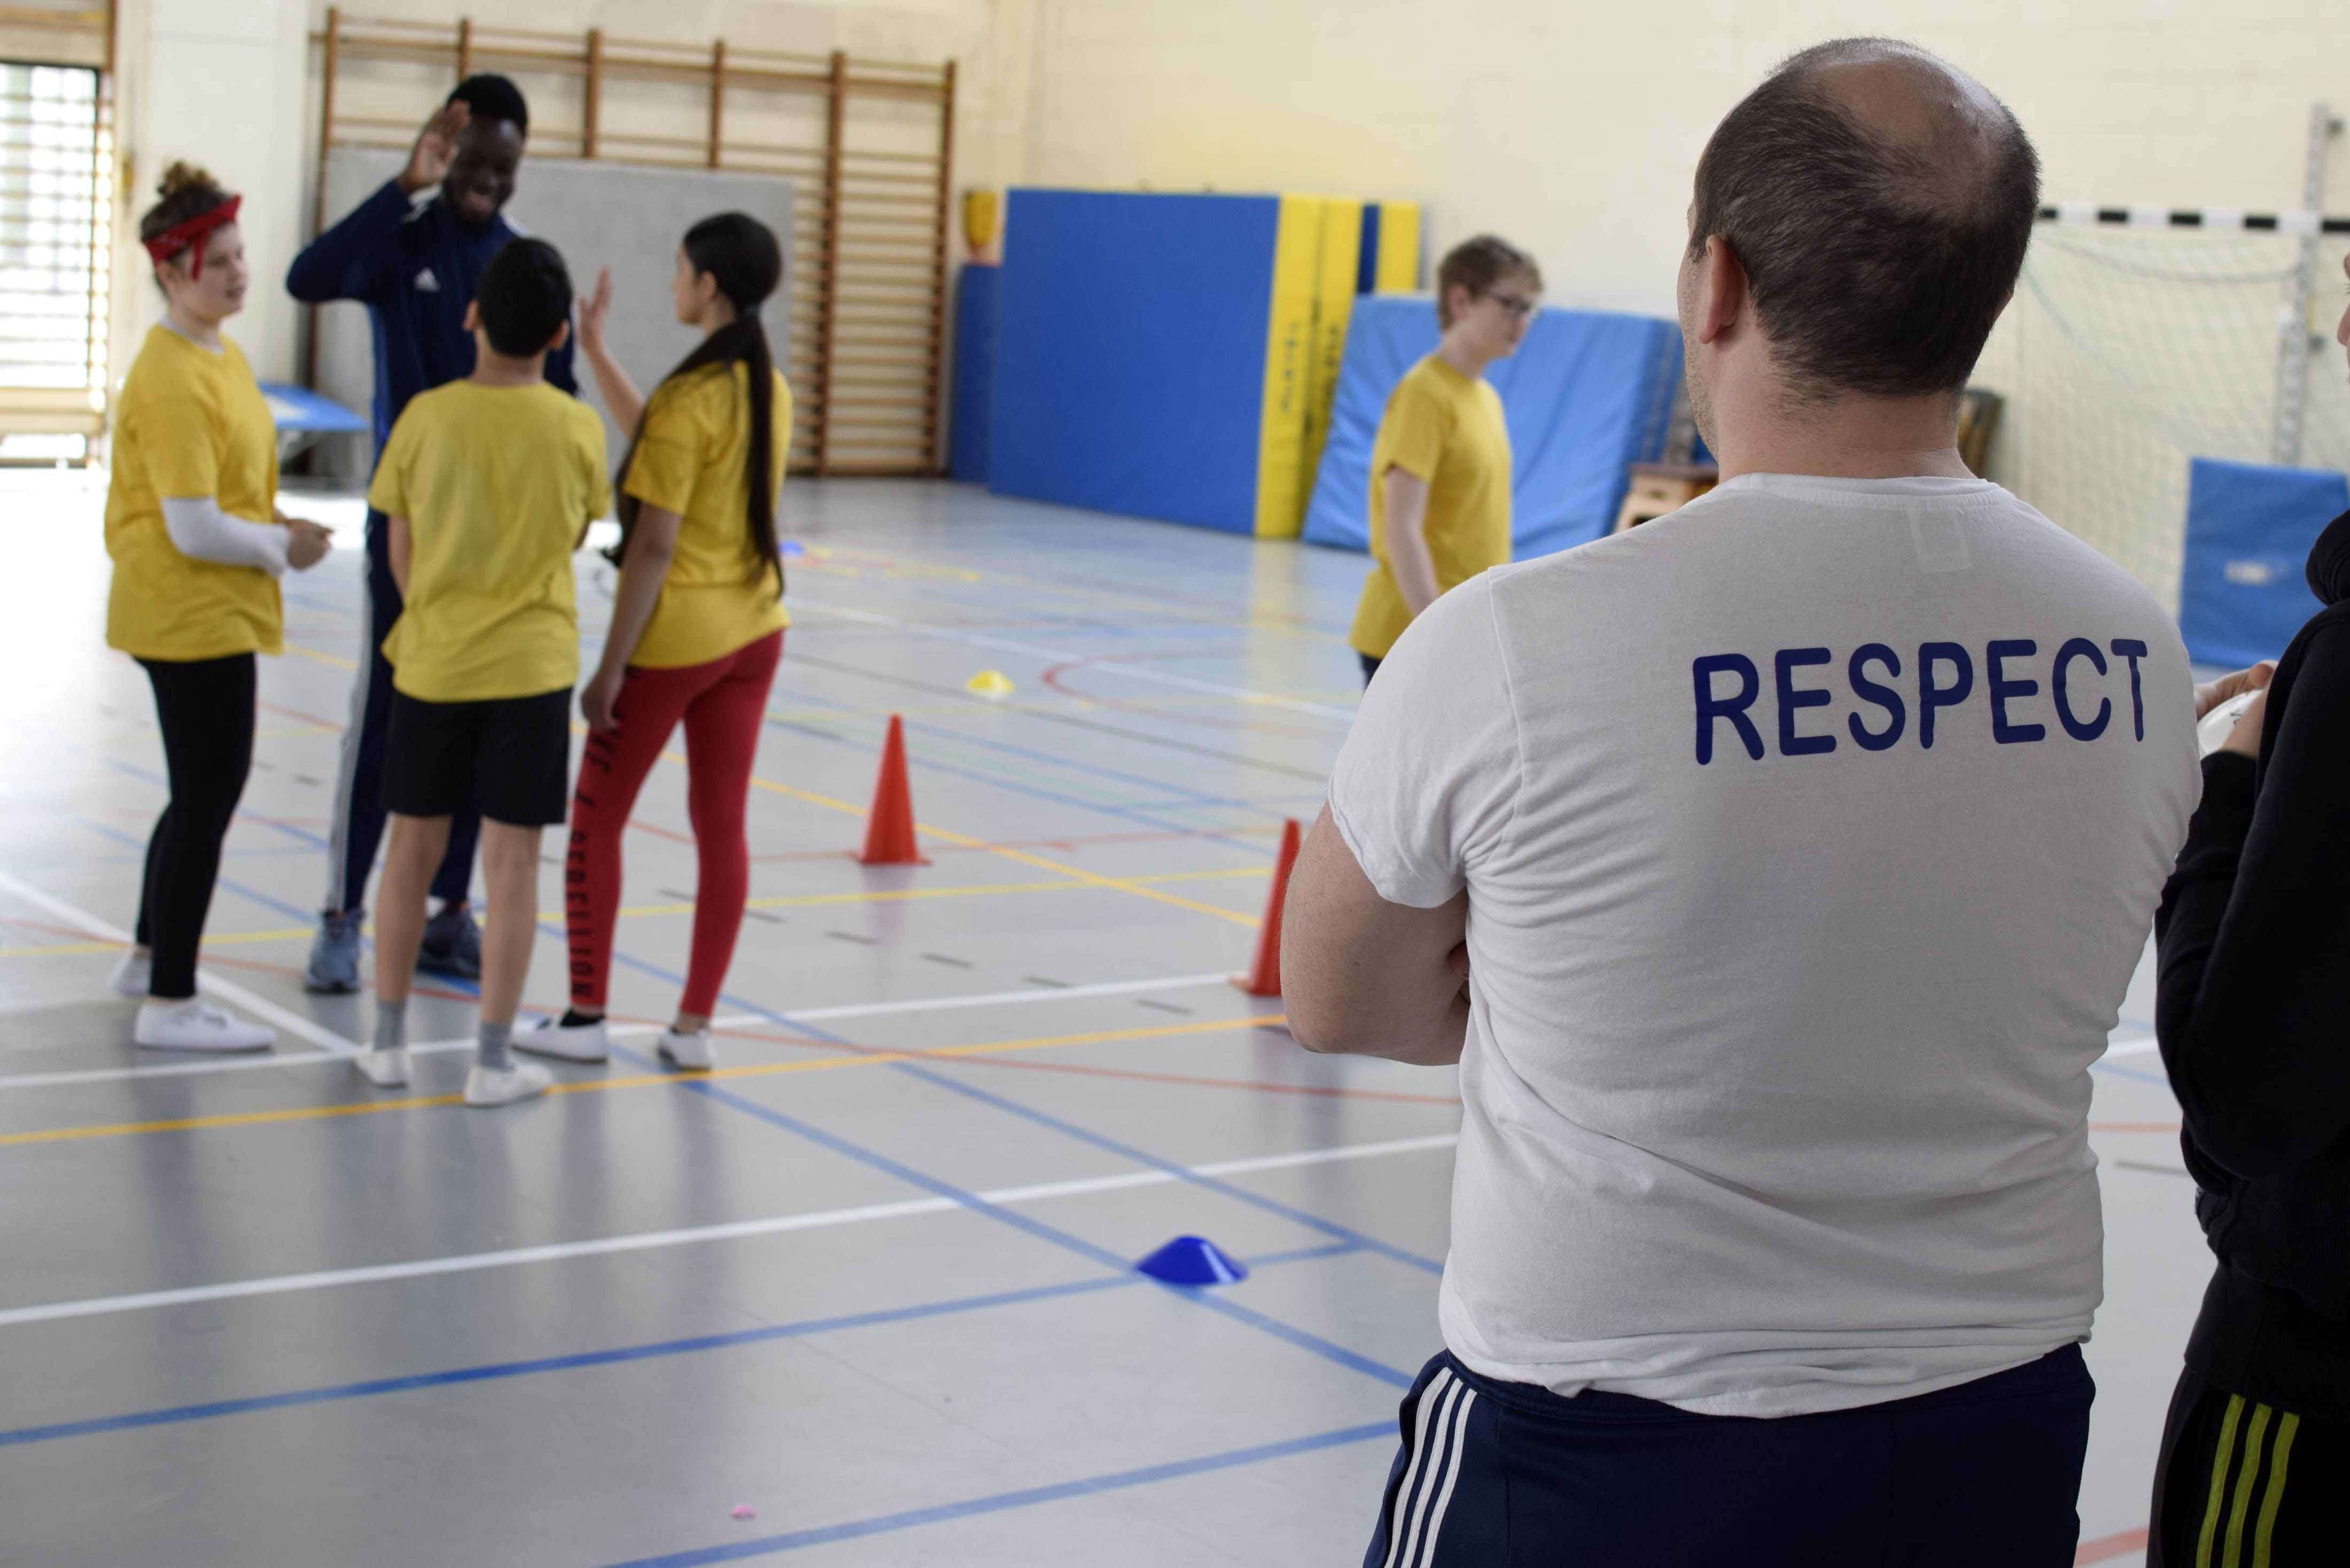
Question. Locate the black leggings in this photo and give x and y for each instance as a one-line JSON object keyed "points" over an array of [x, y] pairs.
{"points": [[205, 706]]}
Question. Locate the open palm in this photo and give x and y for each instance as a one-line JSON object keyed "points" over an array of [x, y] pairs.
{"points": [[436, 147]]}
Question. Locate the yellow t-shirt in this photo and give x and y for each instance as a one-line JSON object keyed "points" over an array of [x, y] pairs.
{"points": [[190, 423], [691, 459], [1447, 429], [496, 483]]}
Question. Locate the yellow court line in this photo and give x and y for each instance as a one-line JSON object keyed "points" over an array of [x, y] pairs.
{"points": [[902, 895], [1021, 856], [639, 1080], [779, 901], [1123, 885]]}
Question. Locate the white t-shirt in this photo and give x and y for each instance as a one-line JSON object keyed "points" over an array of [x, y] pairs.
{"points": [[1785, 979]]}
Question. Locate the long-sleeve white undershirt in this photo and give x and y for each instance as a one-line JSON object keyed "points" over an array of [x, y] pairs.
{"points": [[203, 531]]}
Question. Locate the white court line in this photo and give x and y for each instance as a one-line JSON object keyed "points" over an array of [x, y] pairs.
{"points": [[292, 1023], [743, 1021], [2137, 1047], [1053, 656], [469, 1263]]}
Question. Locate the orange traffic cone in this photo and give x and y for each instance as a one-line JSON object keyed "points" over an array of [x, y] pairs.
{"points": [[1264, 978], [889, 825]]}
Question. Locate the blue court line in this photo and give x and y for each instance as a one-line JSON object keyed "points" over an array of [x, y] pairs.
{"points": [[303, 834], [496, 1371], [2118, 1071], [263, 899], [1143, 1156], [1057, 1237], [1118, 1480], [470, 988]]}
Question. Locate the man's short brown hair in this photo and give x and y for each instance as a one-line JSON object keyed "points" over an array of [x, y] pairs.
{"points": [[1874, 268], [1477, 264]]}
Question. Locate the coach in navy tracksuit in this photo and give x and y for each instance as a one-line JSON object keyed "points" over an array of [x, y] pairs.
{"points": [[414, 266]]}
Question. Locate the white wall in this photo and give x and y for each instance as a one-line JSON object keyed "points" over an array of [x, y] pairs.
{"points": [[1574, 128], [1572, 125], [218, 82], [233, 85]]}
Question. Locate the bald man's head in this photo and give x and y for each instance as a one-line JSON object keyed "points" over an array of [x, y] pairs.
{"points": [[1880, 202]]}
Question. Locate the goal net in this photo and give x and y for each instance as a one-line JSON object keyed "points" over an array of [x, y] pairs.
{"points": [[2128, 351]]}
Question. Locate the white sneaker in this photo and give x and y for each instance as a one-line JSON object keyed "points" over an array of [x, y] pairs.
{"points": [[691, 1051], [194, 1025], [548, 1037], [384, 1069], [492, 1086], [132, 975]]}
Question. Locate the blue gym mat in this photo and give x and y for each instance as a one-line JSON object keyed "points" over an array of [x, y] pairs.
{"points": [[1587, 394], [300, 409], [2242, 591], [977, 291], [1130, 353]]}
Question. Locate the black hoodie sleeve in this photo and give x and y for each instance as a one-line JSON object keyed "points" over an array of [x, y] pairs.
{"points": [[2255, 934]]}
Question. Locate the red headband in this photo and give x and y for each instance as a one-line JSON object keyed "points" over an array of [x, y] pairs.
{"points": [[195, 231]]}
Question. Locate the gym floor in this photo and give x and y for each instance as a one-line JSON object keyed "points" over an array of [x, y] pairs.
{"points": [[865, 1294]]}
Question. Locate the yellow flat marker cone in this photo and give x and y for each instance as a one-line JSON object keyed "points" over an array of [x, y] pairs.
{"points": [[990, 683]]}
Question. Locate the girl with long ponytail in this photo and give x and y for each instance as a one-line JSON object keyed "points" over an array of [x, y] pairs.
{"points": [[697, 623]]}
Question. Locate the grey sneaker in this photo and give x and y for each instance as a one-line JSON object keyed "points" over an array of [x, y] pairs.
{"points": [[452, 944], [335, 954]]}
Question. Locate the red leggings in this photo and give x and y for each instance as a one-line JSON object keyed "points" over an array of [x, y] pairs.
{"points": [[722, 704]]}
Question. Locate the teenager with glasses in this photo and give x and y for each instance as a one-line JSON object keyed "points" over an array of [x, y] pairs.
{"points": [[1440, 467]]}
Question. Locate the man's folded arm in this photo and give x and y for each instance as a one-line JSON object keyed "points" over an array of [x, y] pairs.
{"points": [[1364, 977]]}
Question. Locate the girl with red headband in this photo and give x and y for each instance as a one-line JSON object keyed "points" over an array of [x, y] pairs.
{"points": [[198, 546]]}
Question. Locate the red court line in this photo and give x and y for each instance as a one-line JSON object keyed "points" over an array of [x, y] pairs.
{"points": [[2110, 1546], [1158, 709], [418, 990], [298, 713], [1068, 846]]}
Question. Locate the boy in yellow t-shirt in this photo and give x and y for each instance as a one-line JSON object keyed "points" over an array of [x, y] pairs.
{"points": [[487, 486], [1440, 491]]}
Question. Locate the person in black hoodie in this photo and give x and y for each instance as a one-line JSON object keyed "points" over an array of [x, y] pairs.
{"points": [[2255, 934]]}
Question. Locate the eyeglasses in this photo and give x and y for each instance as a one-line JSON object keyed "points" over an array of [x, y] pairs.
{"points": [[1515, 307]]}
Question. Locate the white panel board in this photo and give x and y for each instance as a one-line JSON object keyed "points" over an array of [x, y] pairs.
{"points": [[626, 217]]}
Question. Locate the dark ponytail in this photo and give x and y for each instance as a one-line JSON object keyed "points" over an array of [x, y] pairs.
{"points": [[741, 254]]}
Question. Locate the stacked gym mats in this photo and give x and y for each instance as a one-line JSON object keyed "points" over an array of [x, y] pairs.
{"points": [[1223, 360]]}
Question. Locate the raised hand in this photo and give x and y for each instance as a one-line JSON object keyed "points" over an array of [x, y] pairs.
{"points": [[436, 147], [592, 311]]}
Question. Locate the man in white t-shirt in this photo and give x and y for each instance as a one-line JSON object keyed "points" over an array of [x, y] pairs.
{"points": [[1798, 849]]}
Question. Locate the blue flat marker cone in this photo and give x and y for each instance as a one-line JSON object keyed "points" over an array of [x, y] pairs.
{"points": [[1192, 1260]]}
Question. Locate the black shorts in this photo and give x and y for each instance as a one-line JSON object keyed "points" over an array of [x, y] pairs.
{"points": [[509, 758]]}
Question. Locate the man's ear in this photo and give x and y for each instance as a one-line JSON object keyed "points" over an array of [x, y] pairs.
{"points": [[562, 336], [1722, 302], [473, 315]]}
